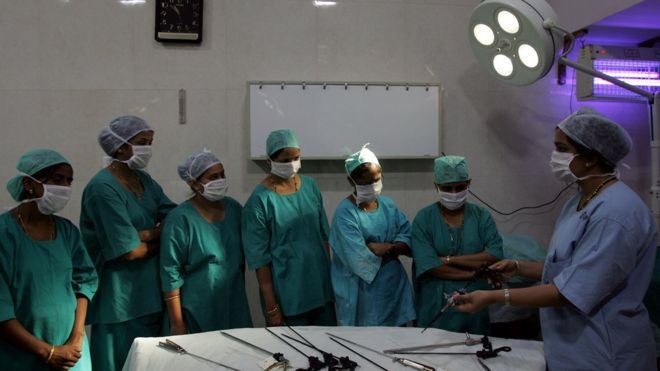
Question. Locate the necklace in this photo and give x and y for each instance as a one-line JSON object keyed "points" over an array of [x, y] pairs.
{"points": [[52, 226], [595, 192]]}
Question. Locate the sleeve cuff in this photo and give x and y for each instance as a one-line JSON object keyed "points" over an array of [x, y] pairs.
{"points": [[172, 285], [573, 298], [114, 253]]}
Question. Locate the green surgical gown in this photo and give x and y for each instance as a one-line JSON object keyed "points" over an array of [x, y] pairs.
{"points": [[432, 238], [288, 232], [205, 261], [39, 281], [110, 220]]}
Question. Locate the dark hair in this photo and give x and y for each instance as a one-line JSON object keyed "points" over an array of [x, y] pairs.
{"points": [[276, 153], [44, 173], [582, 150], [361, 170]]}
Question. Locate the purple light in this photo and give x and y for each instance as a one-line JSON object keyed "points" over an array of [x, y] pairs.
{"points": [[636, 82], [641, 73], [631, 74]]}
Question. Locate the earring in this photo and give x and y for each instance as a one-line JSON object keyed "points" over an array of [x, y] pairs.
{"points": [[30, 191]]}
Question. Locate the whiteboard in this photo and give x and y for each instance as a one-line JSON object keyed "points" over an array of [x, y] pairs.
{"points": [[333, 121]]}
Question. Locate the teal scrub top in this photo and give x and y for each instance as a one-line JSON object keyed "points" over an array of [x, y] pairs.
{"points": [[110, 220], [39, 281], [601, 260], [205, 261], [369, 292], [287, 232], [432, 238]]}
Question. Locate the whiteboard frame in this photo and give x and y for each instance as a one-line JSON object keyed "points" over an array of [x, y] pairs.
{"points": [[346, 84]]}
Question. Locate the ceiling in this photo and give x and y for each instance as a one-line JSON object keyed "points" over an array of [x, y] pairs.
{"points": [[630, 26]]}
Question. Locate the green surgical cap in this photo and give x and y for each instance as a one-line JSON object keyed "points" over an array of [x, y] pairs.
{"points": [[278, 139], [360, 157], [451, 169], [32, 162]]}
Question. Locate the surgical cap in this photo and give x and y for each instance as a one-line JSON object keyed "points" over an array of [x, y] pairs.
{"points": [[451, 169], [32, 162], [124, 127], [360, 157], [597, 133], [278, 139], [196, 164]]}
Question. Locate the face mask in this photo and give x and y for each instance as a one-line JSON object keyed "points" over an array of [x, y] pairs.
{"points": [[54, 198], [285, 170], [215, 190], [453, 201], [140, 158], [560, 165], [367, 192]]}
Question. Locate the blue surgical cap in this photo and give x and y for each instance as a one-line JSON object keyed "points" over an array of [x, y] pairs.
{"points": [[278, 139], [598, 133], [451, 169], [32, 162], [360, 157], [124, 127], [196, 164]]}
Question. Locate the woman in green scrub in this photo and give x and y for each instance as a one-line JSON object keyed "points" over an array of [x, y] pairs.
{"points": [[285, 237], [122, 207], [451, 239], [46, 276], [202, 267]]}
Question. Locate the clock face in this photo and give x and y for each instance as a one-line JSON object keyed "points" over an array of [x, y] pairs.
{"points": [[179, 20]]}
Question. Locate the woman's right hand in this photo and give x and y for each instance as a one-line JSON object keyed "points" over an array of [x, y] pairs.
{"points": [[64, 357]]}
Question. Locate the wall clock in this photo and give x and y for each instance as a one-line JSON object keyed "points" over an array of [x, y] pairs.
{"points": [[179, 21]]}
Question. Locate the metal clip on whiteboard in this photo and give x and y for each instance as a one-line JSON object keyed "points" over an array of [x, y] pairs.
{"points": [[427, 87], [407, 87], [324, 86], [387, 87], [303, 85], [282, 86], [345, 86], [366, 86], [261, 84]]}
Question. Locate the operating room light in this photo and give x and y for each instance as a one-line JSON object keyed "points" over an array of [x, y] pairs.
{"points": [[484, 34], [508, 22], [528, 55], [503, 65]]}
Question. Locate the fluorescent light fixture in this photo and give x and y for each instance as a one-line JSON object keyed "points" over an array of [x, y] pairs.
{"points": [[132, 2], [324, 3], [639, 67]]}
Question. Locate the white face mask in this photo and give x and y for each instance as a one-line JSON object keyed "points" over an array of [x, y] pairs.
{"points": [[453, 201], [140, 158], [53, 200], [367, 192], [215, 190], [285, 170], [560, 163]]}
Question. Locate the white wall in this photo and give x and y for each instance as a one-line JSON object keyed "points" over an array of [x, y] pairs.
{"points": [[68, 67]]}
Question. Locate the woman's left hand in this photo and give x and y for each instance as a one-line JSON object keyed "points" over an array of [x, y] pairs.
{"points": [[76, 340], [472, 301]]}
